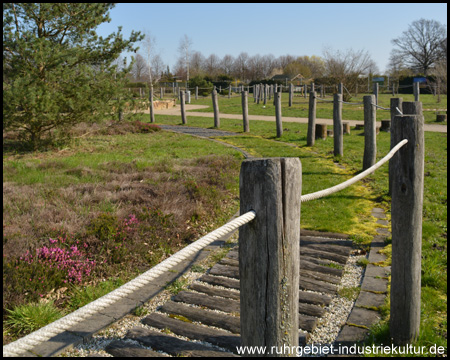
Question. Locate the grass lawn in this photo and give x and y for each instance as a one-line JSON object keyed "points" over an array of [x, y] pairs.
{"points": [[140, 197]]}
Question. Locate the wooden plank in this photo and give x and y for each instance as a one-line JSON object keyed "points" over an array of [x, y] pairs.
{"points": [[307, 323], [317, 285], [314, 298], [227, 322], [311, 310], [322, 234], [225, 270], [315, 253], [341, 250], [306, 274], [120, 348], [228, 261], [323, 262], [211, 302], [307, 265], [214, 291], [221, 281], [217, 337], [173, 345]]}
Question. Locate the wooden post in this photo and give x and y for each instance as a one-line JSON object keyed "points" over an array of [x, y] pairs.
{"points": [[337, 125], [291, 94], [416, 90], [152, 113], [340, 89], [311, 136], [245, 111], [269, 252], [161, 93], [215, 102], [305, 88], [183, 108], [196, 93], [346, 128], [375, 92], [370, 137], [265, 94], [278, 114], [406, 208], [229, 92], [396, 106]]}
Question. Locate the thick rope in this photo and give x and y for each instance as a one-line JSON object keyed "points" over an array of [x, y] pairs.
{"points": [[331, 190], [20, 346]]}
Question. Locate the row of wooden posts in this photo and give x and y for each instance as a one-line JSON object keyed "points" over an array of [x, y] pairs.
{"points": [[269, 245], [339, 127]]}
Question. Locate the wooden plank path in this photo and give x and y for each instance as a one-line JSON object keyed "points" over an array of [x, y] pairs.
{"points": [[208, 313]]}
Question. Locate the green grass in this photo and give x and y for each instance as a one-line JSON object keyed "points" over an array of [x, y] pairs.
{"points": [[27, 318]]}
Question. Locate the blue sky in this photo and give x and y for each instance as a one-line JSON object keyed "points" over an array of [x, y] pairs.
{"points": [[267, 28]]}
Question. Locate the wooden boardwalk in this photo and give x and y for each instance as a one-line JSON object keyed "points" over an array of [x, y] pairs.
{"points": [[213, 300]]}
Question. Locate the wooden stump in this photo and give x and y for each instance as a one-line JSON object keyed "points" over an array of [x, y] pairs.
{"points": [[386, 125], [321, 131], [441, 117], [346, 128]]}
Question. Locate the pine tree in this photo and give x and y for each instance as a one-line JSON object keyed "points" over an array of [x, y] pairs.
{"points": [[57, 72]]}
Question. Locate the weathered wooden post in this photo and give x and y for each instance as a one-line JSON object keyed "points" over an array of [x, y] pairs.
{"points": [[416, 90], [340, 88], [183, 107], [370, 137], [337, 125], [229, 92], [265, 94], [407, 205], [196, 93], [311, 136], [375, 92], [291, 94], [215, 102], [245, 111], [396, 106], [152, 113], [278, 114], [269, 252]]}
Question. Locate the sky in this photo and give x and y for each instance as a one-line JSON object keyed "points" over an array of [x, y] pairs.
{"points": [[268, 28]]}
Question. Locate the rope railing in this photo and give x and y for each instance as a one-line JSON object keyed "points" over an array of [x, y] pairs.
{"points": [[28, 342], [341, 186]]}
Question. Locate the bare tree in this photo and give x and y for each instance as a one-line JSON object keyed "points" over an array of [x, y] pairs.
{"points": [[420, 45], [212, 65], [197, 63], [347, 66], [149, 45], [241, 66], [227, 64], [140, 68], [185, 48]]}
